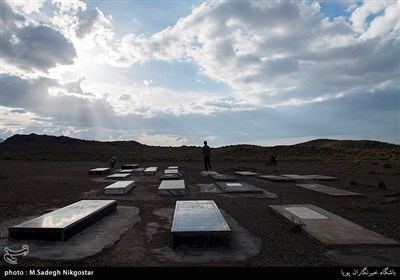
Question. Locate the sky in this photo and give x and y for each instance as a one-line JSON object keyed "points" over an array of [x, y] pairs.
{"points": [[172, 73]]}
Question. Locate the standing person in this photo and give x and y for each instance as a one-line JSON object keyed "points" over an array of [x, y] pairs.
{"points": [[113, 161], [206, 155]]}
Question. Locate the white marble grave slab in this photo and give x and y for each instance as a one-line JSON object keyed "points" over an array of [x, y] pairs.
{"points": [[151, 170], [172, 167], [172, 185], [126, 170], [99, 171], [297, 177], [171, 171], [323, 177], [305, 213], [233, 184], [121, 187], [65, 222], [206, 173], [246, 173], [118, 176], [130, 166], [196, 216]]}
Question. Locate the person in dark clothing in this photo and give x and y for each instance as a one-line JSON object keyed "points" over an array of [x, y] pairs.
{"points": [[113, 161], [206, 155]]}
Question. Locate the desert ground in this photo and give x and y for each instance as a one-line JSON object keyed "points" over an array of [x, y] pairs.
{"points": [[31, 188]]}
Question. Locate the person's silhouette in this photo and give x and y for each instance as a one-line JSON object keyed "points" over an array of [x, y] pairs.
{"points": [[206, 155]]}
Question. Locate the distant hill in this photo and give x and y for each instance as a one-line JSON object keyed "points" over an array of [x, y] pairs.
{"points": [[45, 147]]}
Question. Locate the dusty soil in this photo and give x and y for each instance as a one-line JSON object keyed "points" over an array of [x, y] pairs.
{"points": [[32, 188]]}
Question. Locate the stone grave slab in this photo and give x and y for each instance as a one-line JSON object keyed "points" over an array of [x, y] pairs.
{"points": [[172, 167], [328, 190], [169, 177], [222, 177], [199, 223], [128, 171], [330, 229], [322, 178], [275, 178], [171, 171], [63, 223], [99, 171], [121, 187], [207, 173], [297, 177], [172, 187], [130, 166], [246, 173], [150, 170], [139, 170], [238, 187], [118, 176]]}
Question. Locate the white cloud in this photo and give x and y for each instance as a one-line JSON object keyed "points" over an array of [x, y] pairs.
{"points": [[277, 60], [28, 47], [389, 22], [360, 15], [28, 6], [70, 6], [161, 140]]}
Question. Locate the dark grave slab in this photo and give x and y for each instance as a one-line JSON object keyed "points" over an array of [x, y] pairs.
{"points": [[63, 223], [238, 187], [118, 176], [130, 166], [172, 187], [99, 171], [223, 177], [121, 187], [199, 223], [169, 177], [275, 178]]}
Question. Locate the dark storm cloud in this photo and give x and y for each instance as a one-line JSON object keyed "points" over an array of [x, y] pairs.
{"points": [[32, 47], [33, 96]]}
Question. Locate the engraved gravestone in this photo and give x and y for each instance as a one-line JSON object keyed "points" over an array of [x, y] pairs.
{"points": [[239, 187], [130, 166], [305, 213], [63, 223], [171, 171], [99, 171], [246, 173], [127, 171], [199, 223], [121, 187], [150, 170], [172, 187], [118, 176]]}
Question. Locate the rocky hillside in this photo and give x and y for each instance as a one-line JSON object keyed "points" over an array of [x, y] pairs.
{"points": [[44, 147]]}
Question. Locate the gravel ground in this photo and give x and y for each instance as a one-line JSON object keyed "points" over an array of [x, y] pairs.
{"points": [[32, 188]]}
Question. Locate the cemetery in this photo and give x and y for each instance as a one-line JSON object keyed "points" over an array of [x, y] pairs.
{"points": [[194, 216]]}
